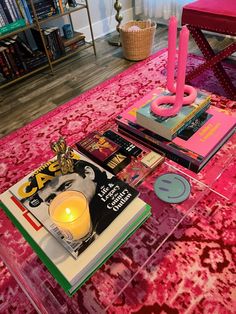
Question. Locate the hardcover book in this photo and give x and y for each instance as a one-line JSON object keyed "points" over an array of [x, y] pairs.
{"points": [[104, 151], [194, 146], [77, 36], [115, 212], [169, 127]]}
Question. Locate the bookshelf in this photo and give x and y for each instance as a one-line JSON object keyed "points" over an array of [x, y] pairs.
{"points": [[15, 67]]}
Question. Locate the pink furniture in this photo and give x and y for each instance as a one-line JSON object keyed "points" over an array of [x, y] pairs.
{"points": [[217, 16]]}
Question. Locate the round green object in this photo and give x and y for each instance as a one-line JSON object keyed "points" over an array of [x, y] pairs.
{"points": [[172, 188]]}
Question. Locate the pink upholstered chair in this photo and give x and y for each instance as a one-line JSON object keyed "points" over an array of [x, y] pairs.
{"points": [[217, 16]]}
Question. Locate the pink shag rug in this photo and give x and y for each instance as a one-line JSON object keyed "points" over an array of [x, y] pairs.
{"points": [[194, 270]]}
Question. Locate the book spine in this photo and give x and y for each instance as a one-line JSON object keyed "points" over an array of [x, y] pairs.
{"points": [[6, 61], [20, 59], [153, 146], [27, 11], [61, 6], [6, 11], [10, 10], [3, 15], [2, 23], [59, 41], [4, 66], [162, 144], [12, 26], [22, 10], [190, 116], [56, 6], [15, 9], [193, 118], [12, 59]]}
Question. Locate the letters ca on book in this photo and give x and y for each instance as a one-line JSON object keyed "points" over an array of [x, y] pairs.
{"points": [[107, 196]]}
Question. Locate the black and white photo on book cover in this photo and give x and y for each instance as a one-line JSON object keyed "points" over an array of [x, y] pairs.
{"points": [[107, 197]]}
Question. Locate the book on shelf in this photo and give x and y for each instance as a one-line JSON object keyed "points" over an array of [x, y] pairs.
{"points": [[14, 14], [53, 41], [24, 9], [115, 212], [169, 127], [72, 3], [43, 9], [194, 146], [8, 28], [77, 37], [17, 57], [75, 46]]}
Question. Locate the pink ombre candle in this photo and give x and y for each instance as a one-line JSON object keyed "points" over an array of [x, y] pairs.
{"points": [[182, 61], [172, 35]]}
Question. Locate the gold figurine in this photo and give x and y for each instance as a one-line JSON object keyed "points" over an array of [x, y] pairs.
{"points": [[64, 155]]}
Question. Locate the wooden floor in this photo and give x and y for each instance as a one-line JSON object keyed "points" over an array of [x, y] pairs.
{"points": [[27, 100]]}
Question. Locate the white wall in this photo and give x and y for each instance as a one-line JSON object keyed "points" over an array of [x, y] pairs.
{"points": [[102, 15]]}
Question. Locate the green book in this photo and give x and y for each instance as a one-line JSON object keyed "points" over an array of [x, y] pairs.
{"points": [[12, 27]]}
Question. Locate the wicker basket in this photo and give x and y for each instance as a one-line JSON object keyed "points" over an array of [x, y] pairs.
{"points": [[137, 45]]}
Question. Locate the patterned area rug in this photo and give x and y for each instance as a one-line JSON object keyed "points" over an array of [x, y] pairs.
{"points": [[194, 270]]}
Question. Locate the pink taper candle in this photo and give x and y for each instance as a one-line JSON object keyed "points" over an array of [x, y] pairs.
{"points": [[182, 61], [172, 35]]}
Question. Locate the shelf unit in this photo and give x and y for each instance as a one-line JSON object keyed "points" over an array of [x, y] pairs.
{"points": [[38, 24]]}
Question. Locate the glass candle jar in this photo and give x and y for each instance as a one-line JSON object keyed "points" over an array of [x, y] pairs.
{"points": [[70, 212]]}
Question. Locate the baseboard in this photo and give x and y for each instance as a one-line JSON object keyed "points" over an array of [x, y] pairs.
{"points": [[107, 25]]}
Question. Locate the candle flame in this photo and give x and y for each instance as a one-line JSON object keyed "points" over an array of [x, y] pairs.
{"points": [[68, 211]]}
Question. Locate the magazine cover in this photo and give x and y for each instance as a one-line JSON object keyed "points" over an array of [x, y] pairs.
{"points": [[107, 197]]}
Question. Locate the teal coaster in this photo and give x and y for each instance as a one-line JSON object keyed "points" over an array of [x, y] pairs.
{"points": [[172, 188]]}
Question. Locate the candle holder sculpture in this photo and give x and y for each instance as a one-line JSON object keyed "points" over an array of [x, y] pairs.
{"points": [[179, 89], [64, 155], [115, 40]]}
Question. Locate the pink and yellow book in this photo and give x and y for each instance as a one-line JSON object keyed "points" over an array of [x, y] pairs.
{"points": [[218, 124]]}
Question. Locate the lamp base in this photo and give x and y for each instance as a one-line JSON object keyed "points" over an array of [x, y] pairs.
{"points": [[115, 40]]}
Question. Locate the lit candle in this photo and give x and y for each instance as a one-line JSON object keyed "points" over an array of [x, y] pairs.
{"points": [[69, 211], [172, 34]]}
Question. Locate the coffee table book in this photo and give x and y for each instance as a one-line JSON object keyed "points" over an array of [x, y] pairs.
{"points": [[72, 271], [194, 146], [169, 127], [103, 151]]}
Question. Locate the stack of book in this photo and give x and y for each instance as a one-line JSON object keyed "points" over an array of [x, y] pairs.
{"points": [[72, 44], [115, 212], [53, 42], [14, 14], [190, 138], [43, 9], [17, 58]]}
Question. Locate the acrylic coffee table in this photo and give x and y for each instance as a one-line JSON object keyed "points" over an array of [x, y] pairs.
{"points": [[140, 258]]}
